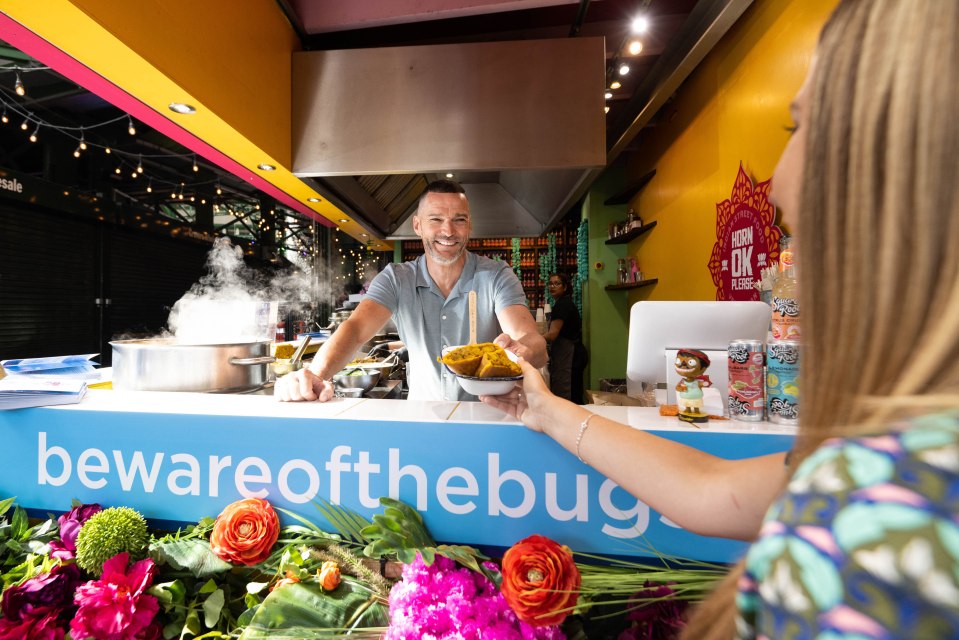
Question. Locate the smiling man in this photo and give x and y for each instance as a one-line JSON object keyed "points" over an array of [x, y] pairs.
{"points": [[428, 300]]}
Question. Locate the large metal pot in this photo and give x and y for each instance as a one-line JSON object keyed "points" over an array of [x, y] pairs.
{"points": [[162, 364]]}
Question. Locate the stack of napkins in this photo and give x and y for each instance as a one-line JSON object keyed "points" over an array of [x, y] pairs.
{"points": [[17, 392]]}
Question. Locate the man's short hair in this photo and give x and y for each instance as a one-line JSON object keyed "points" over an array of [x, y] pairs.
{"points": [[439, 186]]}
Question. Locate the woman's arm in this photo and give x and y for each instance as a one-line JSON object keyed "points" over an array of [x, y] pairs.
{"points": [[700, 492], [555, 326]]}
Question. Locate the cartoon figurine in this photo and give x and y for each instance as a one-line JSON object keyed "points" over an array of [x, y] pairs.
{"points": [[691, 366]]}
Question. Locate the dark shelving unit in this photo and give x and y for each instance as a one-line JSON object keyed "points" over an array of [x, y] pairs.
{"points": [[631, 285], [629, 235]]}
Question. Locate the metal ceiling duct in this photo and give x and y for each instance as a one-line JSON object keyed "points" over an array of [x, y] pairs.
{"points": [[519, 123]]}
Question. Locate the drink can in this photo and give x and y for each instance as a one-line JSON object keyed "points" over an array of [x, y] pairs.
{"points": [[782, 381], [746, 387]]}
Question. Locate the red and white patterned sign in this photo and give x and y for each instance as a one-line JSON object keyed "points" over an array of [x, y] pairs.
{"points": [[747, 239]]}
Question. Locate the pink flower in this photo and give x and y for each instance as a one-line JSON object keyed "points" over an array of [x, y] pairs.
{"points": [[66, 547], [446, 602], [117, 607]]}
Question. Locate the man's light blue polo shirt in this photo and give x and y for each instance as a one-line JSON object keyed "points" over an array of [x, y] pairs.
{"points": [[427, 322]]}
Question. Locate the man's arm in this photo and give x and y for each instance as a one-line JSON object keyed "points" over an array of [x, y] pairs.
{"points": [[520, 335], [368, 318], [311, 383]]}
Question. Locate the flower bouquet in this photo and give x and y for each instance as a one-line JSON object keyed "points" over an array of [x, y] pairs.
{"points": [[101, 573]]}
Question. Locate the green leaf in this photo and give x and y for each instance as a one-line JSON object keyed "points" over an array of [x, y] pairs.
{"points": [[192, 623], [190, 554], [19, 524], [169, 593], [212, 607], [6, 504], [209, 587], [304, 610], [345, 521]]}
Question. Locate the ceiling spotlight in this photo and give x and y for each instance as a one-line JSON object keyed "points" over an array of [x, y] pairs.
{"points": [[615, 84], [364, 235], [449, 175], [312, 199], [640, 24], [635, 47], [623, 69], [182, 107], [343, 220], [18, 86], [608, 95], [606, 109], [266, 167], [130, 128]]}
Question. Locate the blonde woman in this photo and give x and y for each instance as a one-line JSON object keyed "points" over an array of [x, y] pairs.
{"points": [[860, 537]]}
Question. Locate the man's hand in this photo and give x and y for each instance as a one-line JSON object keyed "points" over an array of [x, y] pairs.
{"points": [[302, 385]]}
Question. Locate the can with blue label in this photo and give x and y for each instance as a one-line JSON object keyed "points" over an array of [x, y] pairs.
{"points": [[782, 381]]}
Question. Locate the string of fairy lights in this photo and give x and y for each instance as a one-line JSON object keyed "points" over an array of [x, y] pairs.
{"points": [[362, 265], [131, 164], [179, 197]]}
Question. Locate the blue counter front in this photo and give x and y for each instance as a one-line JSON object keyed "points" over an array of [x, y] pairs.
{"points": [[476, 476]]}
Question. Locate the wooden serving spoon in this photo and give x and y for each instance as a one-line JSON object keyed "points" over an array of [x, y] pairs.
{"points": [[472, 304]]}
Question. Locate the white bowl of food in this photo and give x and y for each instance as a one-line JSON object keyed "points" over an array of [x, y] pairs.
{"points": [[483, 369]]}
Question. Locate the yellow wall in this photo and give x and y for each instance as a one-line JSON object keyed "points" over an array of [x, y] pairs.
{"points": [[732, 109]]}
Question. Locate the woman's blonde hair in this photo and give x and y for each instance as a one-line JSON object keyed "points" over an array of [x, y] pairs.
{"points": [[878, 232]]}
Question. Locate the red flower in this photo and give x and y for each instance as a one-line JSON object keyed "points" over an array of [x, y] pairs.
{"points": [[245, 532], [540, 581]]}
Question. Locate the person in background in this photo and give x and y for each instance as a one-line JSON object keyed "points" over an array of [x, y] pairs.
{"points": [[428, 300], [567, 354], [856, 535]]}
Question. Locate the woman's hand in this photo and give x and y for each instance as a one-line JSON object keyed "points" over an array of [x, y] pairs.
{"points": [[527, 400], [302, 385]]}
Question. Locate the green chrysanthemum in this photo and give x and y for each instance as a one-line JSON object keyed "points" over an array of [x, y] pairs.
{"points": [[108, 533]]}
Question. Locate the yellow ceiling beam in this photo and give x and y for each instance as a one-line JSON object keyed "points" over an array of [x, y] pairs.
{"points": [[231, 60]]}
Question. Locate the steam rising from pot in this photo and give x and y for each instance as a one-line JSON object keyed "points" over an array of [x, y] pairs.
{"points": [[234, 303]]}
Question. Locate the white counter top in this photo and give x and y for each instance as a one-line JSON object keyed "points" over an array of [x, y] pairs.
{"points": [[382, 410]]}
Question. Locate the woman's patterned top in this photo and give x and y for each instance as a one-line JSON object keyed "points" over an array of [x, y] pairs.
{"points": [[864, 543]]}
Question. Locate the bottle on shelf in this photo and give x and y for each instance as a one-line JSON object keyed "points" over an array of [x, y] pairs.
{"points": [[785, 307]]}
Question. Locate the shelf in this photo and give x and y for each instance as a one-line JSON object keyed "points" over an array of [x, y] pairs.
{"points": [[631, 285], [630, 235], [626, 195]]}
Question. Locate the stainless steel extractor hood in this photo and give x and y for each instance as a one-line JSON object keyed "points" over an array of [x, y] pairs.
{"points": [[521, 124]]}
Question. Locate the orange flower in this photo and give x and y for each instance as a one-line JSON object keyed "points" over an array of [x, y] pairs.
{"points": [[245, 532], [540, 581], [329, 575]]}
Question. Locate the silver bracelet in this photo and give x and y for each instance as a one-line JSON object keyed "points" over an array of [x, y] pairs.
{"points": [[582, 431]]}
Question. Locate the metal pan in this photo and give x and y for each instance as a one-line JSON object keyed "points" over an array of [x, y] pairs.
{"points": [[162, 364]]}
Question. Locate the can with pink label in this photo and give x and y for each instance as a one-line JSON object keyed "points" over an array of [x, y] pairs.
{"points": [[747, 398]]}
